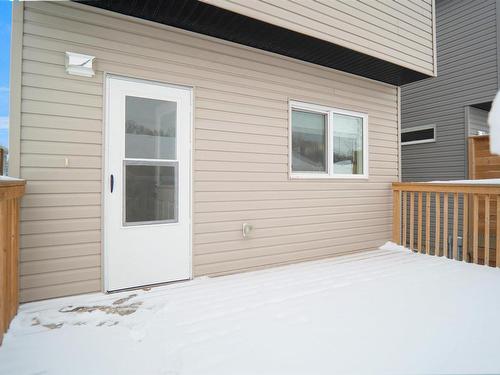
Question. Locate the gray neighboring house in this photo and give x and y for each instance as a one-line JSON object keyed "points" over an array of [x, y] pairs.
{"points": [[438, 114]]}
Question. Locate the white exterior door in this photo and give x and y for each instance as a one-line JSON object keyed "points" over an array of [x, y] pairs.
{"points": [[147, 219]]}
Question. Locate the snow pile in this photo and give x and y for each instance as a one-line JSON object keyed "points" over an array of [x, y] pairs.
{"points": [[494, 123], [381, 311], [391, 246], [483, 181]]}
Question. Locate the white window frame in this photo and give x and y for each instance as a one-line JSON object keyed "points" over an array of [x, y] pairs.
{"points": [[417, 128], [329, 111]]}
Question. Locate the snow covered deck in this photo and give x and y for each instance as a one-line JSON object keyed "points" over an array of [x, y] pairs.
{"points": [[384, 311]]}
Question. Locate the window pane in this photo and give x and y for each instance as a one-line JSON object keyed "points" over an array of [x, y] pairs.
{"points": [[347, 144], [150, 193], [418, 135], [308, 141], [150, 128]]}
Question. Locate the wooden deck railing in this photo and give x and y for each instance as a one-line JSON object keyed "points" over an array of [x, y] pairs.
{"points": [[433, 218], [1, 161], [482, 163], [11, 191]]}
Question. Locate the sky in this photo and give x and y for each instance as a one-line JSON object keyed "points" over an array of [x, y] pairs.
{"points": [[5, 27]]}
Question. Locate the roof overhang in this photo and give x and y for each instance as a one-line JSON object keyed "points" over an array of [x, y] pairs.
{"points": [[486, 106], [199, 17]]}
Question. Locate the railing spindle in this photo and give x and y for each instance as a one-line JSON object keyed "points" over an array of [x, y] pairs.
{"points": [[475, 231], [405, 204], [428, 223], [412, 218], [465, 227], [396, 212], [419, 223], [438, 224], [498, 232], [455, 225], [445, 224], [487, 230]]}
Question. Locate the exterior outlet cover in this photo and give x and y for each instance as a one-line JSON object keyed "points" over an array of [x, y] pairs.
{"points": [[247, 228], [79, 65]]}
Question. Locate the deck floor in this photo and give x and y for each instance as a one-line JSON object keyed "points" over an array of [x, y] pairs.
{"points": [[383, 311]]}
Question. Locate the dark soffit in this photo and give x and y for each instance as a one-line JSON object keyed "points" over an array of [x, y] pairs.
{"points": [[199, 17], [484, 106]]}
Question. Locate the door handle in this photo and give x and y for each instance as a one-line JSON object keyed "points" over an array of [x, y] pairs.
{"points": [[112, 182]]}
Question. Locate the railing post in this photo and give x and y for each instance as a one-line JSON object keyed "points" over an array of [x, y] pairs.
{"points": [[4, 241], [396, 216], [10, 192], [498, 233]]}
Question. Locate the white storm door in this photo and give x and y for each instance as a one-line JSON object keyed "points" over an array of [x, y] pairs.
{"points": [[147, 220]]}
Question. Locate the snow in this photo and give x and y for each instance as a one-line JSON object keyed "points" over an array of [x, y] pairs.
{"points": [[8, 179], [485, 181], [494, 123], [382, 311], [391, 246]]}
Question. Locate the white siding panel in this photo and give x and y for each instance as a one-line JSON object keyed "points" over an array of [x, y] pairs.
{"points": [[240, 155]]}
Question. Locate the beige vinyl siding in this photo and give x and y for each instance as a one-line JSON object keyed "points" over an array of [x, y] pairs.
{"points": [[397, 31], [240, 152]]}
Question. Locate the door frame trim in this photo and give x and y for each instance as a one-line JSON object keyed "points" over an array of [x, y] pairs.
{"points": [[104, 160]]}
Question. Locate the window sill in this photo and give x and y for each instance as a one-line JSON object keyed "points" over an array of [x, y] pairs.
{"points": [[323, 176], [418, 142]]}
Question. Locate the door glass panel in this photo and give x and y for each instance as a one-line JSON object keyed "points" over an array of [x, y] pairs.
{"points": [[150, 128], [151, 194]]}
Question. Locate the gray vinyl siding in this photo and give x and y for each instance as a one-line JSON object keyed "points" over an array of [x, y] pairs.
{"points": [[240, 156], [466, 32], [397, 31], [477, 121]]}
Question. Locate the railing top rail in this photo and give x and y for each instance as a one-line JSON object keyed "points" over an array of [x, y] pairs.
{"points": [[482, 136], [10, 181], [11, 188], [442, 187]]}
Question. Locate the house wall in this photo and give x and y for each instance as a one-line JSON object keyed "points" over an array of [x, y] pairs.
{"points": [[397, 31], [467, 61], [240, 153]]}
